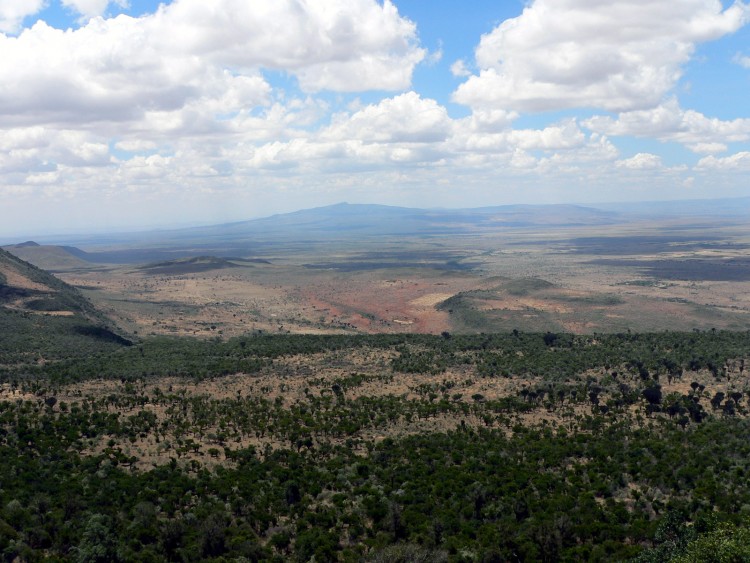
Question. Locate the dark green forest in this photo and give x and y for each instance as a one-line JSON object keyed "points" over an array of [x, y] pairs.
{"points": [[626, 471]]}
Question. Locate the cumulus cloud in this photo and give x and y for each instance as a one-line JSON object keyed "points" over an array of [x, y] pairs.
{"points": [[490, 120], [742, 60], [557, 137], [459, 68], [146, 167], [404, 118], [107, 71], [136, 145], [13, 12], [641, 161], [708, 148], [91, 8], [179, 95], [405, 129], [34, 150], [343, 45], [206, 53], [669, 122], [622, 55], [736, 162], [434, 57], [477, 134], [408, 130]]}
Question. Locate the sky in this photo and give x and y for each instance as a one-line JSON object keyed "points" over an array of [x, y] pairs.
{"points": [[131, 114]]}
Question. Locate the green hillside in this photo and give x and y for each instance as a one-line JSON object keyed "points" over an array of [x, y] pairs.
{"points": [[44, 319]]}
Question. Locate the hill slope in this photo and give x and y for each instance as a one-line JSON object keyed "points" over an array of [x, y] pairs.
{"points": [[188, 265], [48, 257], [42, 318]]}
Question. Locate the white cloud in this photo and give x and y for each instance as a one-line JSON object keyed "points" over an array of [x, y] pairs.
{"points": [[459, 68], [434, 58], [91, 8], [136, 145], [708, 148], [414, 131], [208, 55], [478, 134], [406, 129], [404, 118], [556, 137], [28, 152], [343, 45], [107, 71], [736, 162], [488, 121], [23, 138], [43, 178], [742, 60], [620, 55], [669, 122], [146, 167], [13, 12], [641, 161], [182, 93]]}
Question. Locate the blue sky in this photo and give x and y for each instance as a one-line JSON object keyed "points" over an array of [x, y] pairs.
{"points": [[117, 114]]}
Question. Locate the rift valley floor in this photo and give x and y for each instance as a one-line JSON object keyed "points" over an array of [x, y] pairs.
{"points": [[573, 279]]}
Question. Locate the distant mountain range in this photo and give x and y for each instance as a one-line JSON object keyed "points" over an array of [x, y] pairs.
{"points": [[351, 221], [735, 208], [348, 222]]}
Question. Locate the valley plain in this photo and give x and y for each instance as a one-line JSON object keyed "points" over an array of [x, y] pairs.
{"points": [[618, 273]]}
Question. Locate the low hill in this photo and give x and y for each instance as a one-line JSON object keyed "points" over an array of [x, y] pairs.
{"points": [[49, 257], [192, 265], [42, 318]]}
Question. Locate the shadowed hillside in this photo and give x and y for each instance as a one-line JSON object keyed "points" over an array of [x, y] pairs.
{"points": [[188, 265], [42, 318]]}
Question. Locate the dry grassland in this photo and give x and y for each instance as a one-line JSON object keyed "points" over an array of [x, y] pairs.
{"points": [[609, 285]]}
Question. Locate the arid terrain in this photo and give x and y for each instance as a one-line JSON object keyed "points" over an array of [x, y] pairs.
{"points": [[576, 279]]}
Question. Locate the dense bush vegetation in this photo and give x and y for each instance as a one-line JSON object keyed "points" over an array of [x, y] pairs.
{"points": [[625, 471], [475, 495], [550, 355]]}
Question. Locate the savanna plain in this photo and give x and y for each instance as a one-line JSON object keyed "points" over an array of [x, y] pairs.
{"points": [[533, 384]]}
